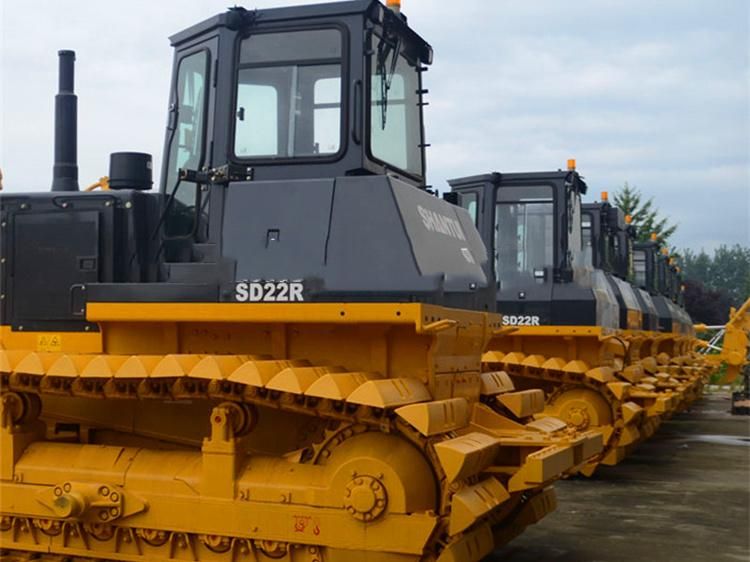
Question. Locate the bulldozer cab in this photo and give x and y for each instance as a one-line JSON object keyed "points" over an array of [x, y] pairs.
{"points": [[607, 243], [653, 271], [531, 225], [317, 91], [527, 221], [293, 171], [606, 233], [644, 266], [652, 274]]}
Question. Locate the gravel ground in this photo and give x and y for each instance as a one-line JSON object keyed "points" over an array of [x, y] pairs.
{"points": [[683, 496]]}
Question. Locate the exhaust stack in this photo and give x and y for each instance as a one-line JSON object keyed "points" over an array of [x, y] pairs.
{"points": [[65, 170]]}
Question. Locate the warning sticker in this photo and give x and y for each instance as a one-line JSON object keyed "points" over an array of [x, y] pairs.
{"points": [[49, 342]]}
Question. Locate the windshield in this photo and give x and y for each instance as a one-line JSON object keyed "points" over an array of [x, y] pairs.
{"points": [[524, 223], [289, 95], [395, 115], [612, 250]]}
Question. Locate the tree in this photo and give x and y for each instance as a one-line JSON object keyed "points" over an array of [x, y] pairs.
{"points": [[728, 270], [646, 217], [704, 305]]}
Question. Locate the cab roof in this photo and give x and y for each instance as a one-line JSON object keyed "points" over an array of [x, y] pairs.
{"points": [[238, 17]]}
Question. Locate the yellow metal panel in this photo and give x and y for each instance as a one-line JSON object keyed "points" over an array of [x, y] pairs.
{"points": [[649, 364], [258, 373], [554, 364], [472, 546], [297, 379], [523, 403], [473, 502], [495, 382], [493, 356], [70, 342], [441, 416], [36, 363], [537, 507], [535, 361], [632, 373], [399, 533], [576, 366], [338, 386], [542, 466], [592, 445], [514, 358], [138, 367], [663, 405], [488, 420], [175, 366], [466, 455], [103, 366], [52, 463], [390, 393], [10, 358], [558, 331], [619, 389], [547, 424], [629, 435], [601, 374], [614, 456], [630, 411], [406, 313], [426, 317], [217, 367]]}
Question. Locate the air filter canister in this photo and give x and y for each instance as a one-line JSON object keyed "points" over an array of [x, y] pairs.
{"points": [[130, 170]]}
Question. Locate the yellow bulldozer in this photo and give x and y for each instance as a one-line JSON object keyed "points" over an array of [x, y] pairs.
{"points": [[612, 352], [277, 354], [732, 354]]}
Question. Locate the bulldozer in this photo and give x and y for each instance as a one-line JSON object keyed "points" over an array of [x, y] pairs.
{"points": [[277, 354], [728, 347], [574, 326], [676, 348], [610, 235]]}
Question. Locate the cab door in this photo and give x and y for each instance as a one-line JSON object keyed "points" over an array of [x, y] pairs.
{"points": [[187, 146]]}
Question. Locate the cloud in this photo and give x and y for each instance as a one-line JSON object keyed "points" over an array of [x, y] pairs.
{"points": [[653, 93]]}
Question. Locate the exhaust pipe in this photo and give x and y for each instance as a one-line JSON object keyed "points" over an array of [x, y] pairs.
{"points": [[65, 170]]}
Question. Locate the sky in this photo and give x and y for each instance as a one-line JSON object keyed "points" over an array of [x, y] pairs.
{"points": [[656, 94]]}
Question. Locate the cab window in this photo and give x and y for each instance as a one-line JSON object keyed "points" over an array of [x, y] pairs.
{"points": [[469, 202]]}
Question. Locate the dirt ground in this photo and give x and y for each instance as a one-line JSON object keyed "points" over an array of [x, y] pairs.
{"points": [[683, 496]]}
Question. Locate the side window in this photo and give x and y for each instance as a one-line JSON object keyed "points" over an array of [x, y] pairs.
{"points": [[575, 242], [187, 141], [469, 202]]}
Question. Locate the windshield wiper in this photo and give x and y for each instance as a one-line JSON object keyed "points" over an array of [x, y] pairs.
{"points": [[386, 48]]}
